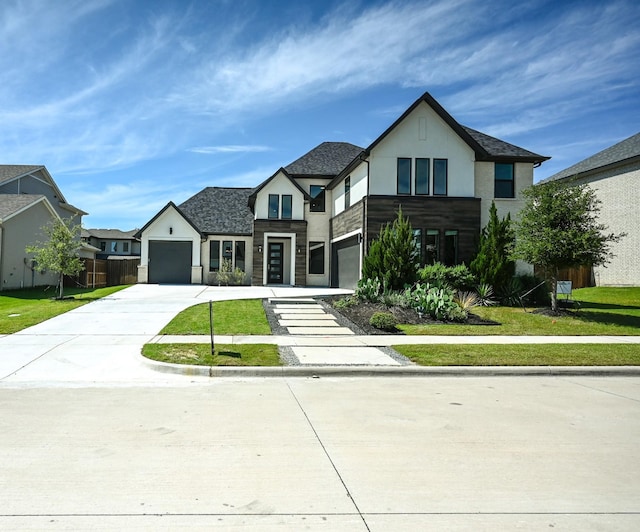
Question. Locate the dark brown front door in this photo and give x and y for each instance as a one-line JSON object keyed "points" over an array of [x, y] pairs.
{"points": [[275, 263]]}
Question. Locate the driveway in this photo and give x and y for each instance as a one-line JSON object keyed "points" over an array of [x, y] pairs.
{"points": [[100, 342]]}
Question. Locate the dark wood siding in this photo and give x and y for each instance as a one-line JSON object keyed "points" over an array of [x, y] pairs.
{"points": [[443, 214], [348, 221]]}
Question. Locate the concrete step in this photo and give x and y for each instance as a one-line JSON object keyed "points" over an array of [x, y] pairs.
{"points": [[343, 356], [316, 316], [329, 324], [299, 309], [319, 331], [292, 300]]}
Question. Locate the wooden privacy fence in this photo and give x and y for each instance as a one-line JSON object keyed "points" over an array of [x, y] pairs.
{"points": [[99, 273], [581, 277]]}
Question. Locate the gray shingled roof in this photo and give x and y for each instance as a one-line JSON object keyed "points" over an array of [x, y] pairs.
{"points": [[327, 159], [109, 233], [499, 148], [11, 171], [619, 152], [12, 203], [220, 210]]}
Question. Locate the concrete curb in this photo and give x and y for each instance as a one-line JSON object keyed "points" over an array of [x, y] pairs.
{"points": [[392, 371]]}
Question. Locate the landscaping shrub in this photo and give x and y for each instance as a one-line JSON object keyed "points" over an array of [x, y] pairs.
{"points": [[437, 302], [368, 290], [384, 321], [346, 302], [485, 295], [456, 277]]}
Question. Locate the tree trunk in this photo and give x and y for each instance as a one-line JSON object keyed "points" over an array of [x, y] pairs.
{"points": [[61, 281], [554, 290]]}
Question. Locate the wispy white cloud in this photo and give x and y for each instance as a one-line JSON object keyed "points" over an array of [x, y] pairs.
{"points": [[232, 148]]}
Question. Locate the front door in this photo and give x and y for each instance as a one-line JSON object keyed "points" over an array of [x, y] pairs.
{"points": [[275, 263]]}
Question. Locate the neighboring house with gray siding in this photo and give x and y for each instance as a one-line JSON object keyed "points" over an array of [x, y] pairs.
{"points": [[113, 243], [614, 175], [310, 223]]}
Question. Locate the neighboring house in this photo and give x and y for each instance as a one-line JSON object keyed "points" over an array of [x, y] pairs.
{"points": [[112, 243], [29, 200], [614, 175], [311, 222]]}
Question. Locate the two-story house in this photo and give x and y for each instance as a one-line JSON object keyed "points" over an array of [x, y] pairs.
{"points": [[311, 222], [112, 243]]}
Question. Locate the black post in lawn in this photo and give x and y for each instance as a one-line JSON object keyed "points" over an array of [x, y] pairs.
{"points": [[211, 326]]}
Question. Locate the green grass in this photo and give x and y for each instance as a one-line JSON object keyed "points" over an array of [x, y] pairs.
{"points": [[225, 355], [522, 355], [602, 312], [20, 309], [238, 317]]}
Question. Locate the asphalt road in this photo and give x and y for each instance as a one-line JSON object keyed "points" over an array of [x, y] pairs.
{"points": [[379, 454]]}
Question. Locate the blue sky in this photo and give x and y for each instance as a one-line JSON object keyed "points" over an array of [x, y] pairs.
{"points": [[131, 104]]}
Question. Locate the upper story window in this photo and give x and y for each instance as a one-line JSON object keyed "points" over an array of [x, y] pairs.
{"points": [[274, 206], [440, 171], [125, 247], [103, 246], [114, 247], [347, 192], [404, 175], [287, 207], [317, 194], [422, 176], [504, 184]]}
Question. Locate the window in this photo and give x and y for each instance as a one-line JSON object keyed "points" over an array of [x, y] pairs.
{"points": [[422, 176], [440, 177], [317, 198], [240, 245], [287, 206], [227, 250], [404, 175], [417, 242], [214, 255], [504, 182], [431, 246], [450, 248], [347, 192], [125, 247], [274, 206], [114, 247], [316, 257], [103, 246]]}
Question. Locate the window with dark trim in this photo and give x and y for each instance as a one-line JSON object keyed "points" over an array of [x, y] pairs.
{"points": [[431, 246], [125, 247], [404, 175], [227, 250], [504, 184], [440, 171], [450, 248], [422, 176], [417, 243], [114, 247], [347, 192], [274, 206], [287, 206], [316, 258], [103, 246], [240, 249], [317, 198], [214, 255]]}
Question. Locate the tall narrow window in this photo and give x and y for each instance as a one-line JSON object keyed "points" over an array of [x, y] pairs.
{"points": [[504, 181], [103, 246], [440, 170], [451, 248], [316, 257], [417, 242], [317, 198], [274, 206], [114, 247], [227, 250], [404, 175], [287, 206], [125, 247], [431, 246], [347, 192], [214, 255], [422, 176], [240, 245]]}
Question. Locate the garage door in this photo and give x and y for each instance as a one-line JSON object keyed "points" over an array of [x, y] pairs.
{"points": [[169, 262], [345, 263]]}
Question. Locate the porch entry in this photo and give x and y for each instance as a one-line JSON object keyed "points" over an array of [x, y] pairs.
{"points": [[275, 263]]}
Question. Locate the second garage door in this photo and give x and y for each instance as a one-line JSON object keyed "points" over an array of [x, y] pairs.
{"points": [[345, 271], [169, 262]]}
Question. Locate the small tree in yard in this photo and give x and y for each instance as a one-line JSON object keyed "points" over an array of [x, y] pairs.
{"points": [[60, 252], [493, 264], [558, 228], [393, 257]]}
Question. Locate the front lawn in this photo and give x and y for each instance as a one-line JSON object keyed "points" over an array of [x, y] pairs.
{"points": [[225, 355], [20, 309], [237, 317], [522, 354]]}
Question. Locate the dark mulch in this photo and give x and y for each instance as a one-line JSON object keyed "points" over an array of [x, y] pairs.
{"points": [[361, 313]]}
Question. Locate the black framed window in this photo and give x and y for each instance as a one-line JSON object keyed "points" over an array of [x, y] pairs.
{"points": [[422, 176], [504, 184], [227, 250], [316, 257], [287, 206], [103, 246], [274, 206], [240, 250], [317, 198], [450, 248], [417, 243], [347, 192], [431, 246], [214, 255], [440, 171], [404, 175], [125, 247]]}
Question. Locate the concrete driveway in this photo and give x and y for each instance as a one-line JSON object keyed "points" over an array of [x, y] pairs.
{"points": [[101, 341]]}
